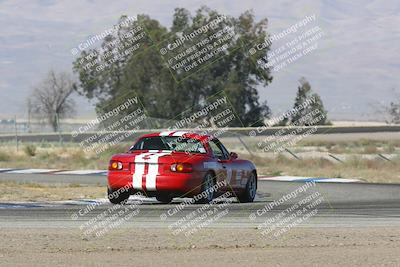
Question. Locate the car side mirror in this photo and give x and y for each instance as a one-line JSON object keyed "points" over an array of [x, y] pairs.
{"points": [[233, 155]]}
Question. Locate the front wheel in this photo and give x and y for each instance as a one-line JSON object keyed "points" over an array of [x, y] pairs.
{"points": [[117, 197], [250, 191]]}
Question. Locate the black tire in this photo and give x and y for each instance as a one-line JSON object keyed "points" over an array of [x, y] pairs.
{"points": [[208, 183], [116, 197], [164, 198], [251, 189]]}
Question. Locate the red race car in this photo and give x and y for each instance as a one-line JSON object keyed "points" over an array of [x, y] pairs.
{"points": [[180, 164]]}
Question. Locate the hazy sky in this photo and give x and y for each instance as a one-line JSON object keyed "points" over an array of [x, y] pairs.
{"points": [[356, 64]]}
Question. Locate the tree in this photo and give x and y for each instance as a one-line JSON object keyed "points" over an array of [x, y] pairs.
{"points": [[389, 112], [147, 73], [51, 99], [308, 108], [394, 112]]}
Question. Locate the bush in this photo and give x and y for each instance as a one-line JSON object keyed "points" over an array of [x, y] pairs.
{"points": [[30, 150], [371, 149], [390, 148], [4, 156]]}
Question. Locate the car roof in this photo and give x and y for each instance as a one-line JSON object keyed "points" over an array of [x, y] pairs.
{"points": [[186, 134]]}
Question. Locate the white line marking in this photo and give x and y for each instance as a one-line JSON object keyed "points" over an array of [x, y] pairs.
{"points": [[25, 171], [338, 180], [316, 179], [81, 172]]}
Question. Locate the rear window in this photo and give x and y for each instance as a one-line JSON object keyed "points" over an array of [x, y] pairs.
{"points": [[172, 143]]}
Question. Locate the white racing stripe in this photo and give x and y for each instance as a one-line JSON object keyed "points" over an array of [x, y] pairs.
{"points": [[166, 133], [151, 176], [139, 170], [179, 133]]}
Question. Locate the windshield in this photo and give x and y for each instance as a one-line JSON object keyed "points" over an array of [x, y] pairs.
{"points": [[173, 143]]}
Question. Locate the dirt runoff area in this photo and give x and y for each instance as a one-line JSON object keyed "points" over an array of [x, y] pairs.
{"points": [[211, 247]]}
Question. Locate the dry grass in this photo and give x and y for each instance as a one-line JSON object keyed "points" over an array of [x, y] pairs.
{"points": [[362, 146], [54, 156], [377, 171], [71, 156], [11, 191]]}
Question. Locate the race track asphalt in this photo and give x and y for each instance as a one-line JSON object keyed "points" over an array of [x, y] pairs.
{"points": [[341, 205]]}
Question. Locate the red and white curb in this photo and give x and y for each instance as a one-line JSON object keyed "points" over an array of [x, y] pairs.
{"points": [[104, 173], [54, 171], [307, 179]]}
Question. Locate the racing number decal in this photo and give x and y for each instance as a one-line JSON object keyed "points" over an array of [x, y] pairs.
{"points": [[229, 173]]}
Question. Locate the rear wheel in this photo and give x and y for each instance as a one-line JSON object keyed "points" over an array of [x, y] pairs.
{"points": [[251, 188], [207, 190], [164, 198], [117, 197]]}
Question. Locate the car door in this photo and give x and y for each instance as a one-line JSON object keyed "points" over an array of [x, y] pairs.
{"points": [[228, 171]]}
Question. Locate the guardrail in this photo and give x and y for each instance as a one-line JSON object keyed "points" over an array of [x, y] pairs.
{"points": [[234, 132]]}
